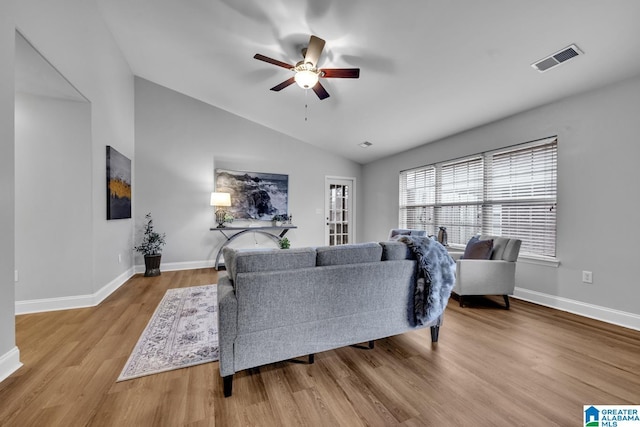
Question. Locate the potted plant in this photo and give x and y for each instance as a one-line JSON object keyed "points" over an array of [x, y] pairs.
{"points": [[151, 248], [285, 243], [279, 219]]}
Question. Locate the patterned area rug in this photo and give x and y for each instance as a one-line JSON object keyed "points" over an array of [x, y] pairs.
{"points": [[182, 332]]}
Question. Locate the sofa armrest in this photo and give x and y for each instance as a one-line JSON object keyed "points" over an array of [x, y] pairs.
{"points": [[484, 277], [227, 325]]}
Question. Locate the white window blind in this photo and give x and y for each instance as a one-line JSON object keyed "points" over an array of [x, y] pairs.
{"points": [[417, 198], [509, 192], [459, 198], [521, 188]]}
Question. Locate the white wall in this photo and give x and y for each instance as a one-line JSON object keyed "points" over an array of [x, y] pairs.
{"points": [[75, 39], [9, 356], [597, 201], [177, 139], [54, 200]]}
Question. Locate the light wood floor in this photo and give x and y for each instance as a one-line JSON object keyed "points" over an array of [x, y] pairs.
{"points": [[527, 366]]}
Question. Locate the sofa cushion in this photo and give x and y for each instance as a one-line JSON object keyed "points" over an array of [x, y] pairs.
{"points": [[397, 233], [252, 260], [348, 254], [478, 249], [394, 250]]}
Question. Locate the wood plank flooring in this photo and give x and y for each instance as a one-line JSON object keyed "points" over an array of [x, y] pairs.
{"points": [[527, 366]]}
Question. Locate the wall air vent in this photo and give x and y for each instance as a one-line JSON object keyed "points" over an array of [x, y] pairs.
{"points": [[557, 58]]}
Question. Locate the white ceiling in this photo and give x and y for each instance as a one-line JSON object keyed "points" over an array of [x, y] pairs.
{"points": [[429, 68]]}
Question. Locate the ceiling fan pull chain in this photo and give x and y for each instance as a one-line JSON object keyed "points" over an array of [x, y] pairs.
{"points": [[306, 105]]}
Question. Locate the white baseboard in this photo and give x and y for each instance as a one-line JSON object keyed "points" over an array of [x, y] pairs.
{"points": [[9, 363], [174, 266], [609, 315], [76, 301]]}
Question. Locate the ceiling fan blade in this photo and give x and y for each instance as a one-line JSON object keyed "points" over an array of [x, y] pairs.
{"points": [[284, 84], [272, 61], [316, 44], [342, 73], [320, 91]]}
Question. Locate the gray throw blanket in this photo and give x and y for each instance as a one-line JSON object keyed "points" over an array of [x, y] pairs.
{"points": [[436, 278]]}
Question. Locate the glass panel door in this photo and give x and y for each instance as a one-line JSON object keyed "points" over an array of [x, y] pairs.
{"points": [[339, 218]]}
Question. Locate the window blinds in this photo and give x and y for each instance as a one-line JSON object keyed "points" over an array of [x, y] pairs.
{"points": [[509, 192], [417, 198], [459, 198], [520, 195]]}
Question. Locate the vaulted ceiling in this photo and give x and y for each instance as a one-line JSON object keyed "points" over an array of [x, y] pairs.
{"points": [[429, 68]]}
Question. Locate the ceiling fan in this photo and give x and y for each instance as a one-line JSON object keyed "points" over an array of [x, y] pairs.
{"points": [[307, 74]]}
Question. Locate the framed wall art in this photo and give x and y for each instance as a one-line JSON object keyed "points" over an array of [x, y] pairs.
{"points": [[118, 185], [254, 195]]}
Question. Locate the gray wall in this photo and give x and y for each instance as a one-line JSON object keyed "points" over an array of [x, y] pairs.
{"points": [[54, 198], [95, 66], [179, 142], [597, 202]]}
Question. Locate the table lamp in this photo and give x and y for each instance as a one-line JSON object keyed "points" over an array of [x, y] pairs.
{"points": [[220, 200]]}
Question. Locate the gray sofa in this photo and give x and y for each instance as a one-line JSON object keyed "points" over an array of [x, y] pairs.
{"points": [[277, 304]]}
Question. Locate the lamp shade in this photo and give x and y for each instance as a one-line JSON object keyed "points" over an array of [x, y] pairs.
{"points": [[306, 79], [220, 199]]}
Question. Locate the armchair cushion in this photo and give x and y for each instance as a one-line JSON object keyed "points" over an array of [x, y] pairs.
{"points": [[478, 249]]}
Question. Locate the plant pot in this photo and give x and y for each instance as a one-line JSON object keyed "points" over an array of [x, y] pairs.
{"points": [[152, 265]]}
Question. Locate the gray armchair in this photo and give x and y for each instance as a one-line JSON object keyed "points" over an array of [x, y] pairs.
{"points": [[493, 276]]}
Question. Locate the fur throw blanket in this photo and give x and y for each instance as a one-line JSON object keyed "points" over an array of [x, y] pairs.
{"points": [[436, 278]]}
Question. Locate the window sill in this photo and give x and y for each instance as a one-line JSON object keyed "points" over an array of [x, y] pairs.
{"points": [[545, 261]]}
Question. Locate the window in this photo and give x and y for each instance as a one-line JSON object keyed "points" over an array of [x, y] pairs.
{"points": [[509, 192]]}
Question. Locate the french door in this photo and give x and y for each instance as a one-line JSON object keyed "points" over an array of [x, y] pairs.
{"points": [[340, 211]]}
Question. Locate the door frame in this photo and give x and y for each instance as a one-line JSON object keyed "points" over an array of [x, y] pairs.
{"points": [[352, 221]]}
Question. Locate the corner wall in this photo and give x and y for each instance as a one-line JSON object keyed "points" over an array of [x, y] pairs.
{"points": [[598, 200], [177, 139]]}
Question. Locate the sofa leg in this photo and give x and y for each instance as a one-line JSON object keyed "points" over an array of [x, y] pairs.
{"points": [[311, 358], [435, 331], [506, 301], [370, 345], [460, 299], [227, 385]]}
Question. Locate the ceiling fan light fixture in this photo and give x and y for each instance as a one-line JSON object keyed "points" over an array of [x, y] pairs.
{"points": [[306, 79]]}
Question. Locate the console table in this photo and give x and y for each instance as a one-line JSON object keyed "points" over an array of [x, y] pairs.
{"points": [[269, 231]]}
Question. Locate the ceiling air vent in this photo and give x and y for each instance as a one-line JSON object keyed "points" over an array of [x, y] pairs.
{"points": [[365, 144], [557, 58]]}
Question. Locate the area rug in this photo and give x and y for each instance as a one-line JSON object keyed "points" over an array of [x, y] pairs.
{"points": [[182, 332]]}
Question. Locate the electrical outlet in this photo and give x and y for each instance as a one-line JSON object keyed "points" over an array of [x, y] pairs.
{"points": [[587, 277], [15, 275], [119, 258]]}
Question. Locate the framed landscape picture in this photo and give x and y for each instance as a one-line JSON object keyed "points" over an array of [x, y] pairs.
{"points": [[118, 185], [254, 195]]}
